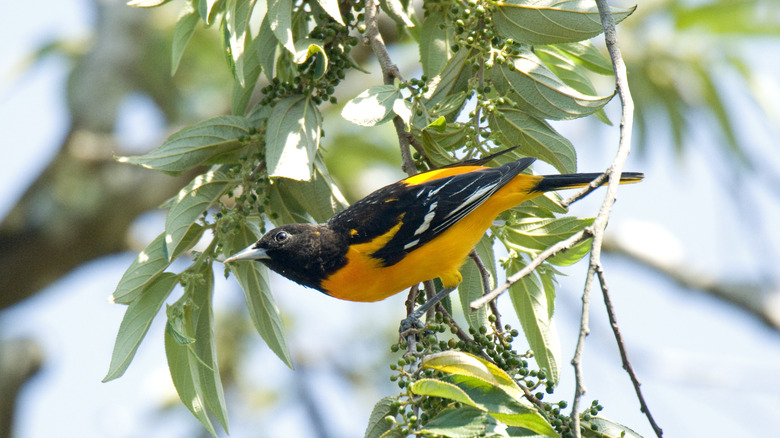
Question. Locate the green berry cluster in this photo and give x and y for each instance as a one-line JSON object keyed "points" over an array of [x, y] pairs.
{"points": [[562, 422], [473, 27], [410, 412], [244, 199], [323, 70]]}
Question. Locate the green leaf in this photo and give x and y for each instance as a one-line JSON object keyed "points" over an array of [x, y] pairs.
{"points": [[190, 204], [147, 265], [306, 48], [436, 42], [259, 114], [465, 364], [533, 235], [587, 55], [394, 433], [477, 393], [377, 426], [206, 142], [372, 106], [306, 201], [185, 374], [266, 52], [512, 411], [439, 125], [471, 287], [453, 79], [398, 12], [571, 73], [535, 313], [280, 21], [136, 322], [463, 422], [209, 9], [528, 82], [204, 348], [450, 106], [292, 138], [438, 143], [146, 3], [535, 137], [182, 33], [607, 429], [439, 388], [551, 21], [252, 68], [237, 14], [150, 262], [261, 304], [332, 8], [177, 325]]}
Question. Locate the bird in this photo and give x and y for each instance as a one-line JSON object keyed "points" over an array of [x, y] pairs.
{"points": [[417, 229]]}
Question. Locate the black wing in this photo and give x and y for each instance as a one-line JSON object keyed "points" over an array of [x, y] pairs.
{"points": [[432, 207]]}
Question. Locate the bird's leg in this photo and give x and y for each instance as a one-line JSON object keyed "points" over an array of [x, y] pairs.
{"points": [[413, 320]]}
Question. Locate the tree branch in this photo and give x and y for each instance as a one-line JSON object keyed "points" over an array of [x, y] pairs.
{"points": [[484, 273], [563, 245], [599, 224], [390, 73], [623, 354], [761, 299]]}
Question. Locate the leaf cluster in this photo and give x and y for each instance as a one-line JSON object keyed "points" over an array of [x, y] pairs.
{"points": [[495, 74], [449, 389]]}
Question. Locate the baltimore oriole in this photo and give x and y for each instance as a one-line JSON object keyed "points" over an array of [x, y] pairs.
{"points": [[416, 229]]}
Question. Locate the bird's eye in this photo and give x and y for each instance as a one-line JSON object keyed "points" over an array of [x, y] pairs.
{"points": [[281, 236]]}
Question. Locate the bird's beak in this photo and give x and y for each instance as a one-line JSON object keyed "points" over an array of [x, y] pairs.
{"points": [[250, 253]]}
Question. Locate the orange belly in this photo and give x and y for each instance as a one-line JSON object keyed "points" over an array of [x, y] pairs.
{"points": [[363, 278]]}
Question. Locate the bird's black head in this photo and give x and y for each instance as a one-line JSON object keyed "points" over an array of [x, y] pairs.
{"points": [[304, 253]]}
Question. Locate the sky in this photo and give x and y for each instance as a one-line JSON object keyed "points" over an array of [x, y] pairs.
{"points": [[706, 368]]}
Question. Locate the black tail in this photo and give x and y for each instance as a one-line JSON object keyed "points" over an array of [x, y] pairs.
{"points": [[557, 182]]}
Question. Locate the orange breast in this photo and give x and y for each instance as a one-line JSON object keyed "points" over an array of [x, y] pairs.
{"points": [[364, 279]]}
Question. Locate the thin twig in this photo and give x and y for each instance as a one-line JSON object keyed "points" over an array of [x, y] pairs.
{"points": [[576, 361], [480, 89], [411, 299], [390, 73], [458, 331], [405, 139], [623, 354], [484, 273], [593, 185], [430, 292], [532, 398], [374, 39], [563, 245], [624, 146]]}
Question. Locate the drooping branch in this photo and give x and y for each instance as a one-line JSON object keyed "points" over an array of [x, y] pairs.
{"points": [[758, 298], [390, 73], [561, 246], [600, 222], [623, 353]]}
